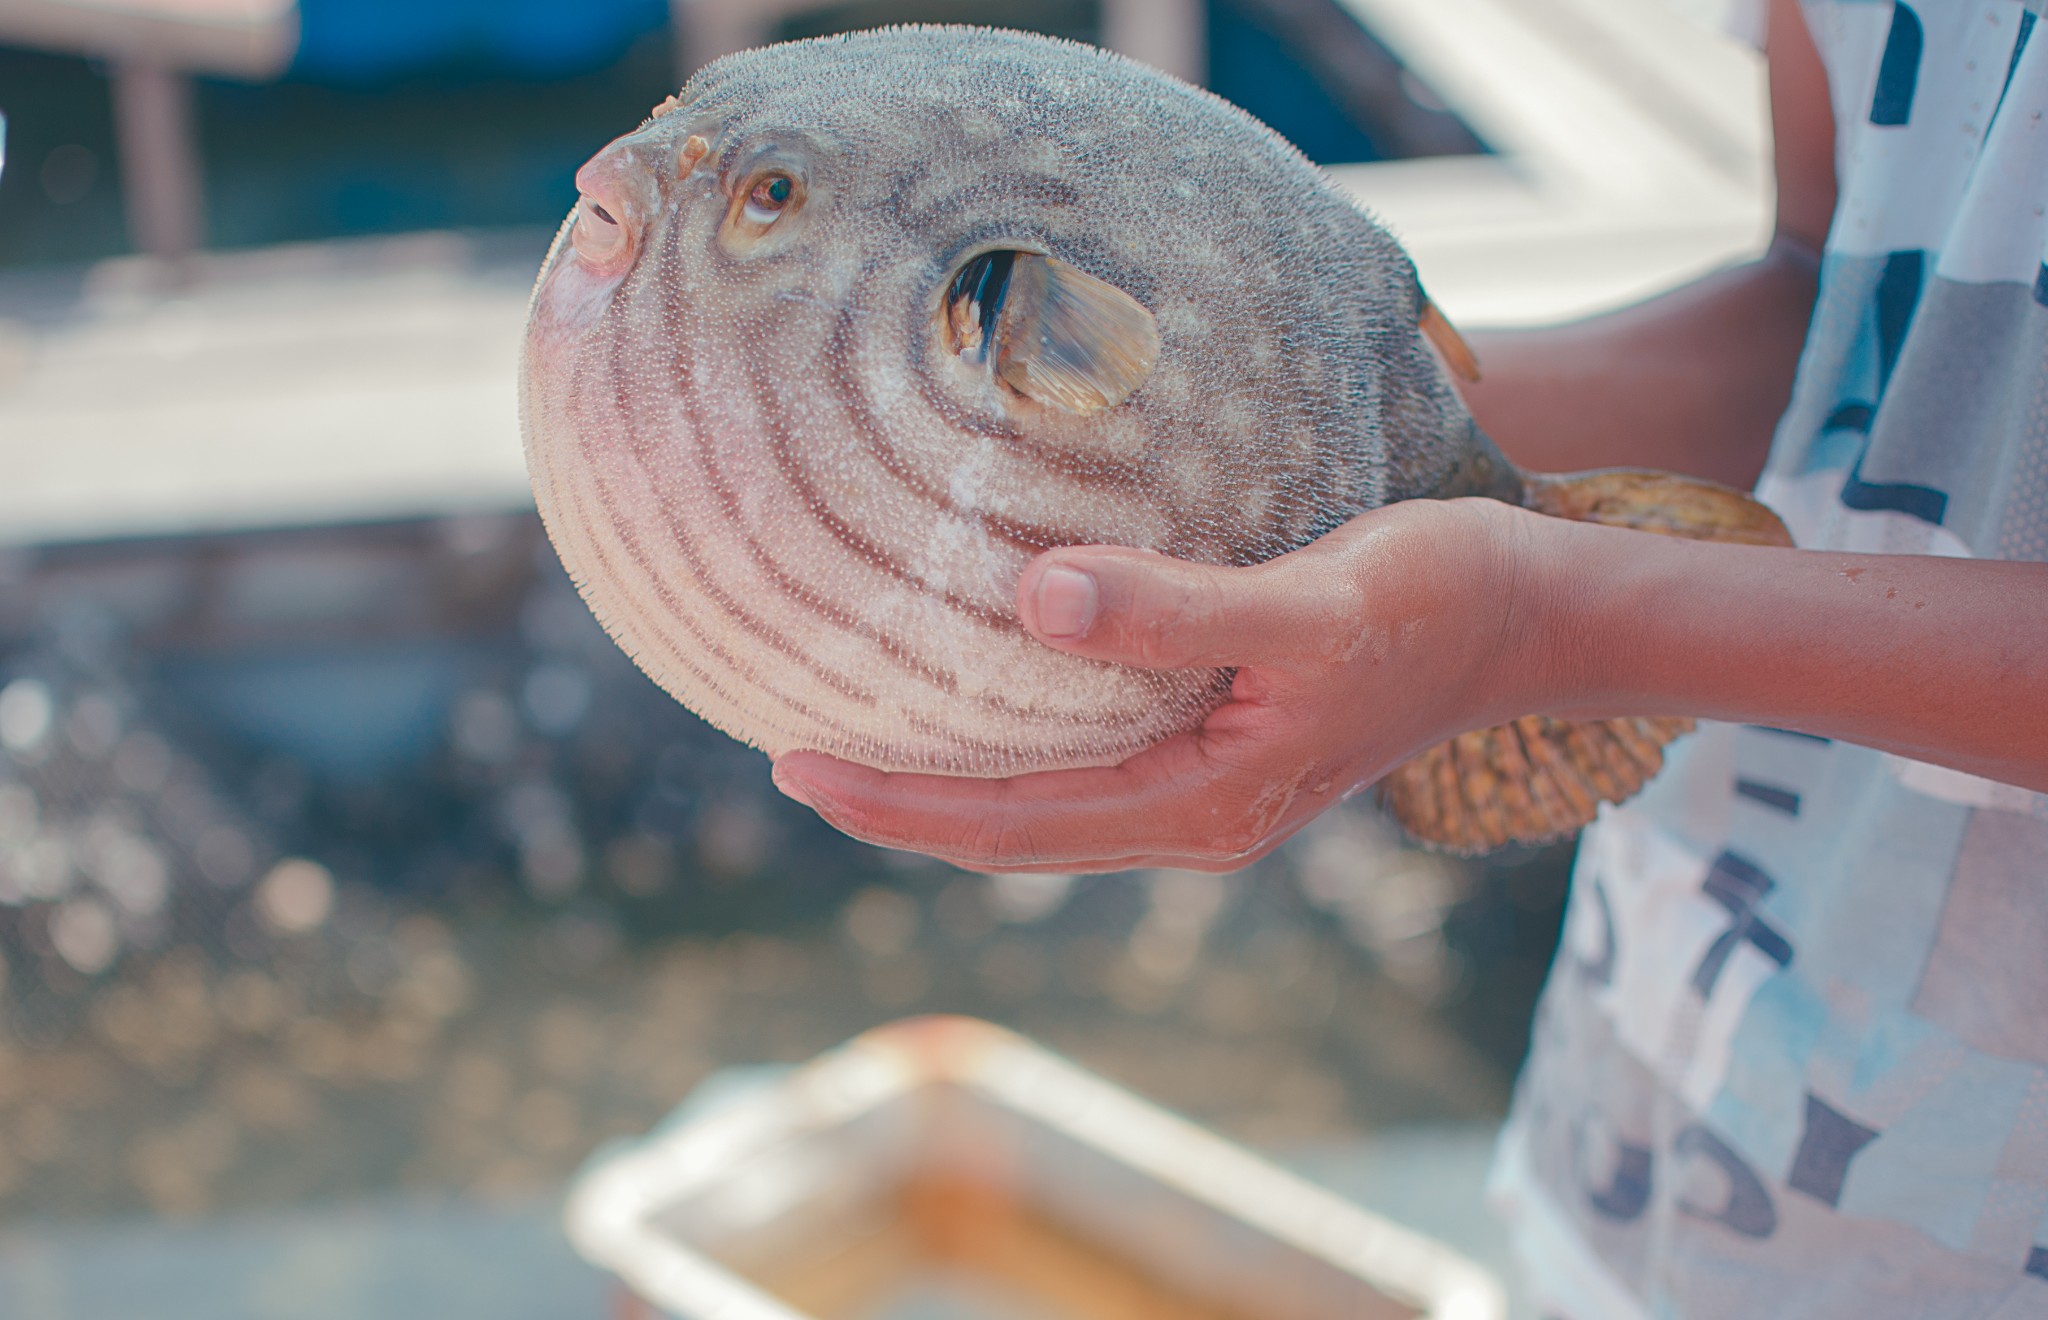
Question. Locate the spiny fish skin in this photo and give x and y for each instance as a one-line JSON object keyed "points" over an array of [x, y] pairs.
{"points": [[774, 450]]}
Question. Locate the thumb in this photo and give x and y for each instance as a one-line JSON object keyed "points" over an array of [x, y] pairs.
{"points": [[1138, 607]]}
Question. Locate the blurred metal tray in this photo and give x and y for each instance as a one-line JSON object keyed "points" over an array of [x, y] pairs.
{"points": [[944, 1167]]}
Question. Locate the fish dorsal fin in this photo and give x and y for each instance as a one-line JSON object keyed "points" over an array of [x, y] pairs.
{"points": [[1069, 340], [1457, 354]]}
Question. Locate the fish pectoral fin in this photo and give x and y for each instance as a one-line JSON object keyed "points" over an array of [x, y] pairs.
{"points": [[1457, 354], [1661, 502], [1069, 340], [1531, 781]]}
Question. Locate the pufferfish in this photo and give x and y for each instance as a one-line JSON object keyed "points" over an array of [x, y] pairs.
{"points": [[852, 328]]}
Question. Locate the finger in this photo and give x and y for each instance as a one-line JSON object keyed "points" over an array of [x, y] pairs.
{"points": [[1185, 797], [1097, 866], [1148, 862], [1137, 607], [1295, 819]]}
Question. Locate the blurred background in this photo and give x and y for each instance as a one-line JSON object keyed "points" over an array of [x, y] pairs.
{"points": [[354, 887]]}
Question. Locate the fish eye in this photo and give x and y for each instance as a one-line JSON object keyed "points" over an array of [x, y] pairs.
{"points": [[768, 198]]}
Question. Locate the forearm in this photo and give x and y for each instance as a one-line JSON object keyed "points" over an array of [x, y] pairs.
{"points": [[1692, 381], [1941, 660]]}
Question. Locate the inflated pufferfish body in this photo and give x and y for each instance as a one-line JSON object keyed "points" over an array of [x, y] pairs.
{"points": [[853, 328]]}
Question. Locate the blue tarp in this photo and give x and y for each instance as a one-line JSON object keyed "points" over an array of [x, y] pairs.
{"points": [[369, 40]]}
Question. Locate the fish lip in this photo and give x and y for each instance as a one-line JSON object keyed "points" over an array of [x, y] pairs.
{"points": [[618, 186]]}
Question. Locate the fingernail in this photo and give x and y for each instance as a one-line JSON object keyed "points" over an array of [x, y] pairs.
{"points": [[1066, 602], [793, 791]]}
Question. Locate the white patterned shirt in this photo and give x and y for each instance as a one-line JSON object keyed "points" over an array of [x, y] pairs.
{"points": [[1793, 1056]]}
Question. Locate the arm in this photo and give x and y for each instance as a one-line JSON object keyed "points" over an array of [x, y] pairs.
{"points": [[1651, 385], [1942, 660], [1691, 381], [1418, 621]]}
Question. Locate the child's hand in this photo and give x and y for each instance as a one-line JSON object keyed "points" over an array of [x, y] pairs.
{"points": [[1380, 639]]}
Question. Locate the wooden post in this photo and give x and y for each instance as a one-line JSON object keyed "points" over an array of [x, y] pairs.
{"points": [[707, 29], [1166, 34], [159, 150]]}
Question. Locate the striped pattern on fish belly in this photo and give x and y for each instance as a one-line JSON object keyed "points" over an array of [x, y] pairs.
{"points": [[826, 565]]}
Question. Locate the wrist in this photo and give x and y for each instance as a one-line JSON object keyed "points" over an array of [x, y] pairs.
{"points": [[1636, 623], [1519, 613], [1563, 631]]}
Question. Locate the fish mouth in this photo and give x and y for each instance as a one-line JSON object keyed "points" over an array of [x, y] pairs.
{"points": [[974, 300]]}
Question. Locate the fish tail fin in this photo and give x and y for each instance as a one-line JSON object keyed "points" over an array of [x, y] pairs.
{"points": [[1530, 781], [1541, 778]]}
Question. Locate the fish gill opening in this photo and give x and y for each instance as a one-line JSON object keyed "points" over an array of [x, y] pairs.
{"points": [[973, 301]]}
